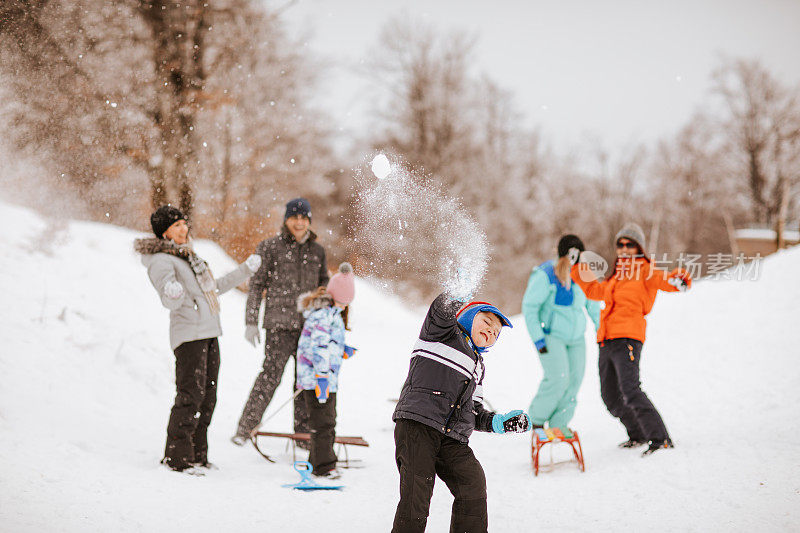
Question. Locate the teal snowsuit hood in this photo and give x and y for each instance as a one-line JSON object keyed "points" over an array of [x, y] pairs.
{"points": [[551, 308]]}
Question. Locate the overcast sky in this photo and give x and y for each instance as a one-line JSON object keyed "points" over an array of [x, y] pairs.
{"points": [[617, 71]]}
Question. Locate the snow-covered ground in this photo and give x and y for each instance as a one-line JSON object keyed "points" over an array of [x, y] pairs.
{"points": [[87, 384]]}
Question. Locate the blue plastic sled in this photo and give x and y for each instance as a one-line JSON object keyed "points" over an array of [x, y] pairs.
{"points": [[306, 481]]}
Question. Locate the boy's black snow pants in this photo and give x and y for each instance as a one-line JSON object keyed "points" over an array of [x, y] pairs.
{"points": [[322, 420], [422, 453], [196, 372], [622, 393], [279, 346]]}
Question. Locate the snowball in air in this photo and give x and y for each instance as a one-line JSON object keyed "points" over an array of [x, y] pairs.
{"points": [[381, 166]]}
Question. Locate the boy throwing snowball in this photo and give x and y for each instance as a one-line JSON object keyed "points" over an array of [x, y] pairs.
{"points": [[440, 405]]}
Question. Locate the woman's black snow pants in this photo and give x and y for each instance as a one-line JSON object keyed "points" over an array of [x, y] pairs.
{"points": [[622, 392], [196, 372]]}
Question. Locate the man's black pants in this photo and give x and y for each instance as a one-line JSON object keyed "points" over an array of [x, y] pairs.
{"points": [[196, 372], [322, 421], [422, 453], [622, 393], [279, 346]]}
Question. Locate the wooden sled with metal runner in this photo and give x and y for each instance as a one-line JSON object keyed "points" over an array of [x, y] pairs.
{"points": [[343, 443]]}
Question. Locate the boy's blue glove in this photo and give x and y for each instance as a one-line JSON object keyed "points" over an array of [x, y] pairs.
{"points": [[511, 422], [321, 390], [349, 351]]}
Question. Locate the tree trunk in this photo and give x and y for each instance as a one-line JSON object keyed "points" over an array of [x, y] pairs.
{"points": [[655, 231], [158, 188], [783, 209], [178, 30], [731, 233], [225, 184], [757, 183]]}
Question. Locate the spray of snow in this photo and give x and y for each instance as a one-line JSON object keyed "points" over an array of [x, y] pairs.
{"points": [[403, 219]]}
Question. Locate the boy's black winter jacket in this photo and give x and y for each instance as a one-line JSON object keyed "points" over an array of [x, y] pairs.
{"points": [[444, 387]]}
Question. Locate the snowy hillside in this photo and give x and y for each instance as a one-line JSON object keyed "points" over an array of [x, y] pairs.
{"points": [[87, 384]]}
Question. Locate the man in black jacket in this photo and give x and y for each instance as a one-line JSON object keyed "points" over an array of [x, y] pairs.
{"points": [[291, 263], [440, 405]]}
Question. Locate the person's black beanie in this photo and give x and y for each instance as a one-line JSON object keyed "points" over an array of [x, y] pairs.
{"points": [[163, 218], [569, 241], [298, 206]]}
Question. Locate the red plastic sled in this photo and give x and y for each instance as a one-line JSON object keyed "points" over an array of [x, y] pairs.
{"points": [[555, 435]]}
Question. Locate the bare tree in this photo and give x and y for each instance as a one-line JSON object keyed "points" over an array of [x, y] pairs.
{"points": [[268, 144], [179, 31], [696, 197], [136, 103], [72, 106], [426, 73], [763, 129]]}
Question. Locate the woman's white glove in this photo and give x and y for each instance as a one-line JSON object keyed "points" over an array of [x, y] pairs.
{"points": [[574, 255], [173, 290], [253, 262]]}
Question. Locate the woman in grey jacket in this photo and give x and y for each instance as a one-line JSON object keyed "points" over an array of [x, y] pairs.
{"points": [[188, 289]]}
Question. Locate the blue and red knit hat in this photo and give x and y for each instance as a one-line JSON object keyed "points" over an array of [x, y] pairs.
{"points": [[467, 314]]}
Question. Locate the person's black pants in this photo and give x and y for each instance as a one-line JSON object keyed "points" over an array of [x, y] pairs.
{"points": [[622, 393], [422, 453], [279, 346], [196, 372], [322, 421]]}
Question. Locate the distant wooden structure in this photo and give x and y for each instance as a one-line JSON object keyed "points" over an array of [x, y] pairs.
{"points": [[758, 241]]}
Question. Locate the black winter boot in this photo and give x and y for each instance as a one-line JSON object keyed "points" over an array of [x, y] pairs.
{"points": [[654, 445], [631, 443]]}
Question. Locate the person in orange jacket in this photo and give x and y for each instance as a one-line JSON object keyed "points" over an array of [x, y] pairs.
{"points": [[629, 295]]}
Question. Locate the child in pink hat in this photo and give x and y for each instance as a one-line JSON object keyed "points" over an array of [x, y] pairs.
{"points": [[320, 352]]}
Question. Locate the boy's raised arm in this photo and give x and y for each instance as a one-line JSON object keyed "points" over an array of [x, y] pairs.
{"points": [[441, 317]]}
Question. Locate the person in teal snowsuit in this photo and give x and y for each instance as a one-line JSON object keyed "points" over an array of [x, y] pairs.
{"points": [[553, 309]]}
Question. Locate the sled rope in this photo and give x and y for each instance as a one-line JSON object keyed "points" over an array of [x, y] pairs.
{"points": [[265, 420]]}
